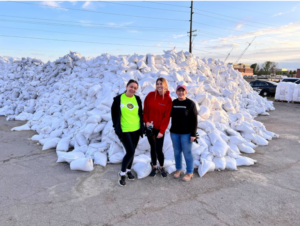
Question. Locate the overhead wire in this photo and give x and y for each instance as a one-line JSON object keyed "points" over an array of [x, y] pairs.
{"points": [[86, 34], [144, 7], [14, 36], [94, 11], [89, 23]]}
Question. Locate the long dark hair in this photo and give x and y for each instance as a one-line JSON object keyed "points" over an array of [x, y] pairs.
{"points": [[131, 81]]}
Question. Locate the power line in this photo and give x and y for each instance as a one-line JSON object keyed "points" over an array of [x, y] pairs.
{"points": [[145, 7], [228, 20], [67, 21], [93, 11], [231, 17], [71, 25], [62, 40], [217, 27], [244, 9], [168, 4], [85, 34]]}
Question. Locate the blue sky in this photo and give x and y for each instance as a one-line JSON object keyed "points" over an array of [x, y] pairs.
{"points": [[151, 27]]}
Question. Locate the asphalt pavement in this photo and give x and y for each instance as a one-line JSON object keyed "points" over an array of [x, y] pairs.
{"points": [[37, 191]]}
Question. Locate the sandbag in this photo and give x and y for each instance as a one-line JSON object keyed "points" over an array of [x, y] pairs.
{"points": [[100, 158], [83, 164], [142, 169]]}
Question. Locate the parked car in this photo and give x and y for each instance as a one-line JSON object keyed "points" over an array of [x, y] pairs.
{"points": [[298, 82], [267, 87], [290, 80]]}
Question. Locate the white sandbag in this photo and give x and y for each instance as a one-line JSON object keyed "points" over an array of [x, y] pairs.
{"points": [[83, 164], [260, 140], [220, 163], [220, 148], [100, 158], [142, 169], [115, 148], [234, 148], [51, 143], [167, 141], [169, 153], [94, 90], [117, 157], [245, 149], [230, 163], [204, 112], [171, 169], [88, 130], [94, 119], [99, 127], [80, 139], [141, 158], [21, 128], [205, 167], [106, 117], [100, 146], [207, 126], [68, 156], [244, 161], [82, 149], [63, 145]]}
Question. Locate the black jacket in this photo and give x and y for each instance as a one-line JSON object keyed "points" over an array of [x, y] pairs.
{"points": [[116, 116]]}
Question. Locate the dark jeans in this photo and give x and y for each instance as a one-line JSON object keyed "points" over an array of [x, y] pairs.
{"points": [[156, 148], [130, 141]]}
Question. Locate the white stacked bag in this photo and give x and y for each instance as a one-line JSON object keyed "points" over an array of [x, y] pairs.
{"points": [[287, 91], [68, 103]]}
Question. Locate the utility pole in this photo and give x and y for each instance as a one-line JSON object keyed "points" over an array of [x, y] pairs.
{"points": [[191, 27]]}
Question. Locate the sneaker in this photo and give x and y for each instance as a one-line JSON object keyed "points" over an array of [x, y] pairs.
{"points": [[130, 176], [121, 180], [163, 172], [153, 172]]}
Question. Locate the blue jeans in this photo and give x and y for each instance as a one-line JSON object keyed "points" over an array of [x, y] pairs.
{"points": [[182, 143]]}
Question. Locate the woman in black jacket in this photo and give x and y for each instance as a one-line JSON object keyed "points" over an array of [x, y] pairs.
{"points": [[127, 117]]}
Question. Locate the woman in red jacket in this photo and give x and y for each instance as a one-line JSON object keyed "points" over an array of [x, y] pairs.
{"points": [[157, 110]]}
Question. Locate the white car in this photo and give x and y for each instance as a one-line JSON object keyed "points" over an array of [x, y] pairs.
{"points": [[293, 80]]}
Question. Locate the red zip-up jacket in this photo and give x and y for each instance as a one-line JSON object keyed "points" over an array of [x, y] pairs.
{"points": [[157, 108]]}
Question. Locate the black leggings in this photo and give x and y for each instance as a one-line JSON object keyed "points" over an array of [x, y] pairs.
{"points": [[156, 148], [130, 142]]}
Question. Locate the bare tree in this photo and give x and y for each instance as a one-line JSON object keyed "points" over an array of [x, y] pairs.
{"points": [[269, 67]]}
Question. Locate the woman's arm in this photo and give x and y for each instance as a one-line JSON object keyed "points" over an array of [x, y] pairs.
{"points": [[145, 119], [166, 118], [114, 112], [193, 114]]}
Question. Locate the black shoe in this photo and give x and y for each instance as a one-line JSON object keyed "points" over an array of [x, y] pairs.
{"points": [[121, 180], [163, 172], [153, 172], [130, 176]]}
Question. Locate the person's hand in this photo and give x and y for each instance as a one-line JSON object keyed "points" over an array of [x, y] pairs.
{"points": [[148, 124], [193, 138], [160, 135]]}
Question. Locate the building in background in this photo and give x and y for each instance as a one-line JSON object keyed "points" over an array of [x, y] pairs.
{"points": [[298, 73], [244, 68]]}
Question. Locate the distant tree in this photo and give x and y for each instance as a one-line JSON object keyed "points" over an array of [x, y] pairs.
{"points": [[260, 72], [269, 67], [295, 72], [255, 68], [291, 72], [278, 72]]}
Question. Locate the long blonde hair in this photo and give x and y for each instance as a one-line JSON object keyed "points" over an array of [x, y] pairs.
{"points": [[164, 84]]}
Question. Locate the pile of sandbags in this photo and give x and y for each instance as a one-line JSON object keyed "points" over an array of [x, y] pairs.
{"points": [[287, 91], [68, 101]]}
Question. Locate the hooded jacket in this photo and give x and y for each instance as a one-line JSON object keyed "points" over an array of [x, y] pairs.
{"points": [[157, 109], [116, 116]]}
